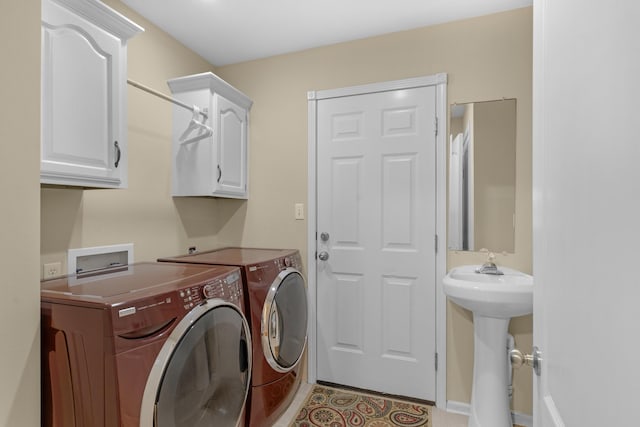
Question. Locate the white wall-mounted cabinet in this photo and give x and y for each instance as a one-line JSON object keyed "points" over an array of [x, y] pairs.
{"points": [[215, 165], [84, 77]]}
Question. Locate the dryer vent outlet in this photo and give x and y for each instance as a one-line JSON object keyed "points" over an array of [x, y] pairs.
{"points": [[86, 260]]}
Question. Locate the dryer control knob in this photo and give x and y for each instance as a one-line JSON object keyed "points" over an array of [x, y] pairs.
{"points": [[210, 291]]}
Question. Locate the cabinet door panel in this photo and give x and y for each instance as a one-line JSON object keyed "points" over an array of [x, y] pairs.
{"points": [[232, 147], [78, 128]]}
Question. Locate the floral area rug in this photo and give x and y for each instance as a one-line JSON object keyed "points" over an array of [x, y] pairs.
{"points": [[330, 407]]}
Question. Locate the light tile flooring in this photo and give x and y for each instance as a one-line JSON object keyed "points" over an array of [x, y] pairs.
{"points": [[440, 418]]}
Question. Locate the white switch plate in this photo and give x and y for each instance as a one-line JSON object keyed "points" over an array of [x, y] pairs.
{"points": [[299, 210]]}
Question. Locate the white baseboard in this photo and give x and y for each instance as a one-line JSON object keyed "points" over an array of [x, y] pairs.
{"points": [[458, 407], [464, 409]]}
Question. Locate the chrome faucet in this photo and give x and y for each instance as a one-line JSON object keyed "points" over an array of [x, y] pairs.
{"points": [[490, 266]]}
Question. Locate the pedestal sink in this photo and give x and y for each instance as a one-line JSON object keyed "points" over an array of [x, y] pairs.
{"points": [[493, 300]]}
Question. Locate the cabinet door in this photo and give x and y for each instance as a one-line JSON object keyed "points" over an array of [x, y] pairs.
{"points": [[80, 102], [231, 132]]}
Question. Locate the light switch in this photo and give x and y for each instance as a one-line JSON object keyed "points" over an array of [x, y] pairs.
{"points": [[299, 210]]}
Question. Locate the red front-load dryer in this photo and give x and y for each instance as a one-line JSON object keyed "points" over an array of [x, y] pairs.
{"points": [[276, 296], [149, 344]]}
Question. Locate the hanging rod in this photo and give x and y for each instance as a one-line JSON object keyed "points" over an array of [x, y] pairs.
{"points": [[165, 97]]}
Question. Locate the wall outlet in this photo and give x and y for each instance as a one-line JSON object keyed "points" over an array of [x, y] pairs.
{"points": [[299, 208], [51, 269]]}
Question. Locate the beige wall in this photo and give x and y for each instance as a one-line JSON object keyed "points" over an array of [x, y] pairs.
{"points": [[485, 58], [19, 230], [145, 213]]}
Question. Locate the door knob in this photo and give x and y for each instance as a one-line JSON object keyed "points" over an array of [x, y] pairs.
{"points": [[534, 360], [323, 256], [324, 236]]}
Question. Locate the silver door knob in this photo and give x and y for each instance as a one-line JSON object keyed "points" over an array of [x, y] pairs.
{"points": [[324, 236], [534, 360], [323, 256]]}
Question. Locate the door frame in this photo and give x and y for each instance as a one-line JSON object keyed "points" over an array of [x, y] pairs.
{"points": [[440, 83]]}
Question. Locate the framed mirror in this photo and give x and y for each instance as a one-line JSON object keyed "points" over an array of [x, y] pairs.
{"points": [[482, 176]]}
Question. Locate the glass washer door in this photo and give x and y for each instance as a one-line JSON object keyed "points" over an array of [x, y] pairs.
{"points": [[205, 375], [284, 321]]}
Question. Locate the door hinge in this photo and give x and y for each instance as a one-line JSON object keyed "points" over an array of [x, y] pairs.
{"points": [[436, 358], [436, 126], [435, 242]]}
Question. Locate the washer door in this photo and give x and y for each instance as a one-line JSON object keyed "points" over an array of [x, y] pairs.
{"points": [[202, 374], [284, 321]]}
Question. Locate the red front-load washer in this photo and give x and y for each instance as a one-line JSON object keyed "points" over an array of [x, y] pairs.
{"points": [[149, 344], [276, 296]]}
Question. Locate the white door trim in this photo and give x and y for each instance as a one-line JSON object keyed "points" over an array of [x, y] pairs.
{"points": [[440, 81]]}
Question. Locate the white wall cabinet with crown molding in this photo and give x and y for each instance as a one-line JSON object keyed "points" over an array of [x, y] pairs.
{"points": [[210, 157], [84, 108]]}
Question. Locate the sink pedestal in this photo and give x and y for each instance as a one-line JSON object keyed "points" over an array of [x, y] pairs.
{"points": [[489, 395], [493, 300]]}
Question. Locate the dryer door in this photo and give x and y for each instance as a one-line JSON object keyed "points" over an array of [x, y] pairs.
{"points": [[202, 374], [284, 321]]}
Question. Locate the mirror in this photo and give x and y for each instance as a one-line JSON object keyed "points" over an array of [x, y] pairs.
{"points": [[482, 176]]}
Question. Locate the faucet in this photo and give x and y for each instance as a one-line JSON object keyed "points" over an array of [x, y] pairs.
{"points": [[490, 266]]}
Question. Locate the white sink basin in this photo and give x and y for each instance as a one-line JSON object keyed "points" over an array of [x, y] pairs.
{"points": [[504, 296]]}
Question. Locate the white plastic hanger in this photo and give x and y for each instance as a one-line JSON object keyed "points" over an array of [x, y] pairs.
{"points": [[201, 130]]}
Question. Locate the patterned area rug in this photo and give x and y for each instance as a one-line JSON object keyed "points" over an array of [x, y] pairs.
{"points": [[330, 407]]}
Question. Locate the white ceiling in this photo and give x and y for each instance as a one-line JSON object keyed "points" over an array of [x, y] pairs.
{"points": [[230, 31]]}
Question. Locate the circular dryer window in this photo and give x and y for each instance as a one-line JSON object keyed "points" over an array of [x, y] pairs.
{"points": [[205, 372], [284, 321]]}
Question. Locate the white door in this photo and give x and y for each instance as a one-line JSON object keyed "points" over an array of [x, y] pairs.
{"points": [[376, 202], [586, 212]]}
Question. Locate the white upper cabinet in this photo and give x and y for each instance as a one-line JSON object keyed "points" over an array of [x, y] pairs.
{"points": [[84, 77], [209, 160]]}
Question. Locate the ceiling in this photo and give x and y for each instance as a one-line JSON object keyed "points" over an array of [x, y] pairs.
{"points": [[231, 31]]}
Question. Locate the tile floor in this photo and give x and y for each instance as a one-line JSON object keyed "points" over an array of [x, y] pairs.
{"points": [[440, 418]]}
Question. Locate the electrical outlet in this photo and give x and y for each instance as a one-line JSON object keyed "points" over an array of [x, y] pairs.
{"points": [[52, 269], [299, 210]]}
